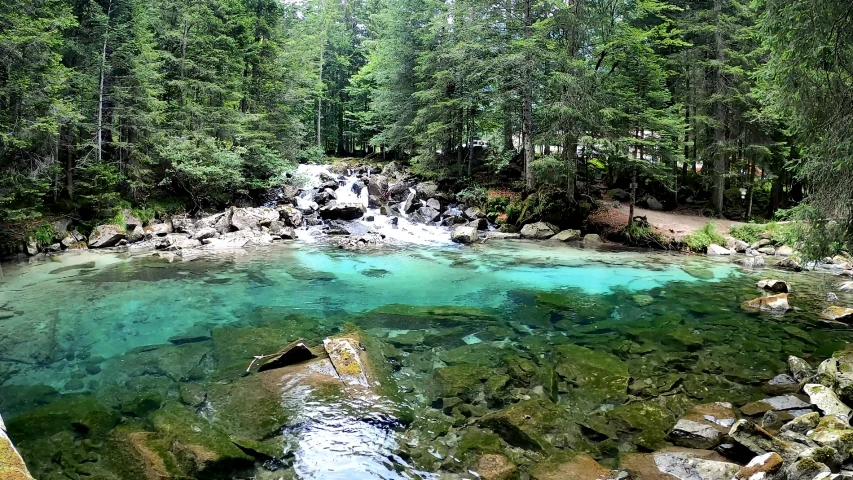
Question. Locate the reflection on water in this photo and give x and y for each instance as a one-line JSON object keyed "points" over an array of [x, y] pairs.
{"points": [[460, 333]]}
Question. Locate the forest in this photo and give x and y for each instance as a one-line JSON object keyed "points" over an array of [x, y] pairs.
{"points": [[741, 108]]}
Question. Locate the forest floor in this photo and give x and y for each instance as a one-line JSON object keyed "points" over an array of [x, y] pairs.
{"points": [[674, 224]]}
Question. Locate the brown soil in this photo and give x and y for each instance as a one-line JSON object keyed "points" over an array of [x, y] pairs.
{"points": [[674, 225]]}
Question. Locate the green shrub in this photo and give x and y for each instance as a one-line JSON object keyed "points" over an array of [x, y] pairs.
{"points": [[474, 196], [313, 154], [700, 239], [640, 234], [549, 170], [748, 232], [42, 234]]}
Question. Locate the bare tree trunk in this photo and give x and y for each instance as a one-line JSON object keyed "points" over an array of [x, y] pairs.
{"points": [[720, 117], [749, 189]]}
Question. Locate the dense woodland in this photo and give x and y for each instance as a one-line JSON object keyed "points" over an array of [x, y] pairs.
{"points": [[743, 108]]}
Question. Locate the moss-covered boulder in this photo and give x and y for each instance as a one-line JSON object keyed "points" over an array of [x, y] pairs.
{"points": [[477, 354], [81, 414], [250, 407], [580, 467], [474, 442], [463, 381], [235, 348], [594, 377], [135, 453], [647, 422], [15, 399], [536, 424], [574, 304], [201, 449]]}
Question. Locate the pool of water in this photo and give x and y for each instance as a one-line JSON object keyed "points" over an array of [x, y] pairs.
{"points": [[110, 360]]}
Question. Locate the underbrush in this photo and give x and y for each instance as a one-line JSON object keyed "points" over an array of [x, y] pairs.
{"points": [[700, 239], [642, 234]]}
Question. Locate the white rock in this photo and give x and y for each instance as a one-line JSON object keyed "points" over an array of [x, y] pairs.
{"points": [[717, 250], [684, 465], [827, 401]]}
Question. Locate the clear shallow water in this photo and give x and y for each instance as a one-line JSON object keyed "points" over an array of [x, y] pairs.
{"points": [[99, 326]]}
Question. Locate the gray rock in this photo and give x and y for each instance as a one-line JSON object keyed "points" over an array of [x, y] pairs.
{"points": [[342, 211], [736, 245], [653, 204], [479, 224], [426, 190], [767, 250], [802, 424], [176, 241], [779, 403], [106, 236], [591, 239], [464, 234], [799, 368], [205, 233], [760, 441], [567, 236], [427, 215], [136, 235], [539, 230], [717, 250], [31, 247], [750, 261], [785, 251], [827, 401], [619, 194], [434, 204], [782, 384], [692, 434], [473, 213], [130, 219], [805, 469], [158, 229], [377, 186], [71, 238], [686, 465], [291, 216], [789, 264]]}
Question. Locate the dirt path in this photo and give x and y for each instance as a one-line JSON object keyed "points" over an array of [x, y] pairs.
{"points": [[675, 224]]}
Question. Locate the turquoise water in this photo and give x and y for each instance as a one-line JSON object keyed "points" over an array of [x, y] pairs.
{"points": [[136, 337]]}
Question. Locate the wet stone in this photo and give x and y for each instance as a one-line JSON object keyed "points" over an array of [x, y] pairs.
{"points": [[596, 377], [535, 424], [784, 402]]}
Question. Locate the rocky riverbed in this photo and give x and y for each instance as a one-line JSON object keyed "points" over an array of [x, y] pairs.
{"points": [[506, 360]]}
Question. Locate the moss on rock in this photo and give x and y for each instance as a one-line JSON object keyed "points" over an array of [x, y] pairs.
{"points": [[595, 377]]}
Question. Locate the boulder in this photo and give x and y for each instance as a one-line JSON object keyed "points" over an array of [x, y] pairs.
{"points": [[290, 215], [620, 195], [200, 448], [426, 190], [426, 215], [827, 401], [775, 303], [473, 213], [244, 219], [106, 236], [434, 204], [704, 427], [782, 384], [205, 233], [136, 235], [759, 441], [176, 241], [799, 368], [580, 467], [465, 381], [717, 250], [679, 464], [785, 251], [493, 466], [591, 239], [789, 264], [736, 245], [158, 229], [535, 424], [782, 402], [653, 204], [768, 250], [802, 424], [567, 236], [464, 234], [835, 313], [130, 219], [398, 192], [71, 238], [539, 230], [377, 186], [775, 286], [342, 211], [596, 378], [479, 224], [805, 469], [752, 261]]}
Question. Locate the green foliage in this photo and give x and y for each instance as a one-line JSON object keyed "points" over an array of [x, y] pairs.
{"points": [[748, 232], [819, 236], [699, 240], [474, 196], [313, 155], [42, 234], [641, 234], [549, 171]]}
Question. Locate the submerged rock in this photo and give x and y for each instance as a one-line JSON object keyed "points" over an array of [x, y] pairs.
{"points": [[774, 304], [596, 378], [837, 314], [496, 467], [535, 424], [199, 447], [581, 467], [250, 407]]}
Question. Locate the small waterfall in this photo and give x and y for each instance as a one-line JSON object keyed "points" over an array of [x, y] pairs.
{"points": [[404, 232]]}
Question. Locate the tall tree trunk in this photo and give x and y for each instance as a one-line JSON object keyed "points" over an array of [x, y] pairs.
{"points": [[527, 107], [570, 152], [720, 116], [100, 139], [320, 100], [751, 167]]}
